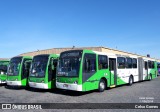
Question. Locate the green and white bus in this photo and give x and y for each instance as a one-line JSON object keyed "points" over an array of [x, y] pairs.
{"points": [[43, 71], [85, 70], [3, 70], [18, 71]]}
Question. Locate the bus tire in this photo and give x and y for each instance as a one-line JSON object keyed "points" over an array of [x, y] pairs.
{"points": [[130, 80], [102, 85]]}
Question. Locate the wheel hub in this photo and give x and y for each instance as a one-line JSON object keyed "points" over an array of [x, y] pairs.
{"points": [[102, 85]]}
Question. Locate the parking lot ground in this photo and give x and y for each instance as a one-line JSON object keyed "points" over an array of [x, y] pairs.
{"points": [[121, 94]]}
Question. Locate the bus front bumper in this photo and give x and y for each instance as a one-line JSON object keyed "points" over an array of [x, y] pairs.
{"points": [[38, 85], [74, 87], [14, 83]]}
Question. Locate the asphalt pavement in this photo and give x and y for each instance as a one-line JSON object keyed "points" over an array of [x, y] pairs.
{"points": [[141, 92]]}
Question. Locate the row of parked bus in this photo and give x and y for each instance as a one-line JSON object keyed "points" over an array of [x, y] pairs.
{"points": [[77, 70]]}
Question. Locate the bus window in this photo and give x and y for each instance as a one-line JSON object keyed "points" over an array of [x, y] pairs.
{"points": [[128, 62], [151, 64], [89, 63], [145, 65], [134, 62], [3, 69], [102, 62], [121, 62]]}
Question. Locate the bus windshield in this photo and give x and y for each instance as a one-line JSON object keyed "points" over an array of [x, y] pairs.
{"points": [[69, 64], [38, 67], [3, 67], [14, 66]]}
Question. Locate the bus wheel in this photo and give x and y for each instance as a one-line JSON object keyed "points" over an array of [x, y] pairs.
{"points": [[130, 80], [102, 85]]}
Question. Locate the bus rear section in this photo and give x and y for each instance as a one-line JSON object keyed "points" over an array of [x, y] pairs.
{"points": [[3, 70], [18, 71], [147, 68], [43, 71], [152, 69]]}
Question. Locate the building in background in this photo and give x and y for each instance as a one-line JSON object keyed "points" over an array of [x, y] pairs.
{"points": [[100, 49]]}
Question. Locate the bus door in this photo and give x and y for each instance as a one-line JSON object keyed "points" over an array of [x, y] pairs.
{"points": [[146, 68], [113, 71]]}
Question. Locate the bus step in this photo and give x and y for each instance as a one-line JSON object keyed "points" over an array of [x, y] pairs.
{"points": [[112, 86]]}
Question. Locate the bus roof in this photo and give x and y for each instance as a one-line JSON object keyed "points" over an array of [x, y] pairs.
{"points": [[21, 57], [54, 55]]}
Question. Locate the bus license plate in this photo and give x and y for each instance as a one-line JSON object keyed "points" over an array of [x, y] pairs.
{"points": [[34, 84], [65, 85]]}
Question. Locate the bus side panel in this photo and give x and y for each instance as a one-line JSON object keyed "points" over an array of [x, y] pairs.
{"points": [[24, 82], [120, 81], [51, 84], [156, 69], [3, 75], [122, 76], [92, 83], [153, 72]]}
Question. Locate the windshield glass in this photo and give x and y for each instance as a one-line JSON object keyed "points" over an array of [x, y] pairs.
{"points": [[69, 63], [38, 67], [3, 67], [14, 66]]}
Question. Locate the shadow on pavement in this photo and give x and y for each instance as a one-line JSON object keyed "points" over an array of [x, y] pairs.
{"points": [[14, 87]]}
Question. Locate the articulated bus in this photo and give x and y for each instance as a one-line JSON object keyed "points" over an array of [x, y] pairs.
{"points": [[18, 71], [85, 70], [43, 71], [3, 70]]}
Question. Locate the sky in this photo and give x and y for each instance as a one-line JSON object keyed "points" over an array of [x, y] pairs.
{"points": [[127, 25]]}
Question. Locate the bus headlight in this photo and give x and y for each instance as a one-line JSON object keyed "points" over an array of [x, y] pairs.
{"points": [[42, 81], [16, 79]]}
